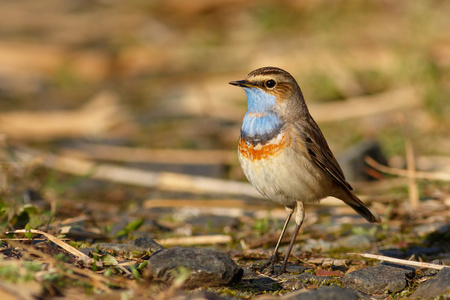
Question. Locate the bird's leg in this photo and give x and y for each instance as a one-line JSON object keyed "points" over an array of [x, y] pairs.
{"points": [[274, 258], [299, 217]]}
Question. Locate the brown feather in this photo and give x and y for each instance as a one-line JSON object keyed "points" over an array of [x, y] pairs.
{"points": [[322, 156]]}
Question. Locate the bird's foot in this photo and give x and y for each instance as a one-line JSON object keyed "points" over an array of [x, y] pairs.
{"points": [[270, 263], [279, 271], [275, 271]]}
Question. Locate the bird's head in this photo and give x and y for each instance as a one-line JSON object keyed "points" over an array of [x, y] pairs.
{"points": [[274, 100], [270, 89]]}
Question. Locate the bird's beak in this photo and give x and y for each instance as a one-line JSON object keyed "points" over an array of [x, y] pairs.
{"points": [[241, 83]]}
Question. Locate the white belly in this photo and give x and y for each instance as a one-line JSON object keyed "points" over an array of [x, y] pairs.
{"points": [[286, 177]]}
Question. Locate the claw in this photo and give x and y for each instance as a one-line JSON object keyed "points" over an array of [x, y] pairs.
{"points": [[271, 262]]}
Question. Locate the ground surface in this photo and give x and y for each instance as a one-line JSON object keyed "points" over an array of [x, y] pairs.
{"points": [[117, 123]]}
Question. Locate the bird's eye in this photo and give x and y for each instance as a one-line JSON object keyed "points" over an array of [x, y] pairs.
{"points": [[270, 83]]}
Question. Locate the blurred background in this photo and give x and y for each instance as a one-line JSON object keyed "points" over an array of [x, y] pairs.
{"points": [[96, 80]]}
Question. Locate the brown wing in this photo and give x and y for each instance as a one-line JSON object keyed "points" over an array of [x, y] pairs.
{"points": [[318, 149], [320, 153]]}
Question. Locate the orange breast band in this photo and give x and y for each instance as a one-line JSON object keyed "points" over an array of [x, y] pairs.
{"points": [[259, 151]]}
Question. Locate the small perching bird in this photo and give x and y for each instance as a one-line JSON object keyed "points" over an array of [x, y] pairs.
{"points": [[284, 154]]}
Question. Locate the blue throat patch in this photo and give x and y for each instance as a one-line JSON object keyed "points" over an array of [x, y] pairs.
{"points": [[260, 122]]}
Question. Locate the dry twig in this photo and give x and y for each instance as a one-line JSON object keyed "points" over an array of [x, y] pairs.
{"points": [[413, 189], [85, 275], [223, 203], [196, 240], [406, 173], [86, 260], [402, 261]]}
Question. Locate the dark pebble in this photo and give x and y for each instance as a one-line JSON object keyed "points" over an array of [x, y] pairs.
{"points": [[87, 251], [296, 269], [432, 272], [392, 252], [205, 295], [323, 293], [207, 267], [145, 244], [249, 273], [378, 279], [434, 286], [139, 244], [265, 284], [421, 251]]}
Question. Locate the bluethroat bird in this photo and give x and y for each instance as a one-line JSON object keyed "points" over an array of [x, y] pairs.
{"points": [[284, 154]]}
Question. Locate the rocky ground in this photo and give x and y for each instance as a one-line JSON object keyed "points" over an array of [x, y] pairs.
{"points": [[325, 263]]}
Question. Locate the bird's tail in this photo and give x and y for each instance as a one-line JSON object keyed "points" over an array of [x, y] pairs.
{"points": [[354, 202]]}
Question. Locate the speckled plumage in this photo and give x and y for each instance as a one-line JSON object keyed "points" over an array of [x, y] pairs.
{"points": [[284, 154]]}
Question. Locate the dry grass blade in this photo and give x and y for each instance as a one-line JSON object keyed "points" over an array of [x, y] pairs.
{"points": [[86, 260], [196, 240], [402, 261], [413, 189], [85, 275], [406, 173], [222, 203]]}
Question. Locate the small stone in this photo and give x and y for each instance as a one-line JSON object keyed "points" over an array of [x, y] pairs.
{"points": [[392, 252], [177, 294], [205, 295], [378, 279], [432, 272], [292, 285], [265, 284], [87, 251], [323, 293], [425, 229], [420, 251], [207, 267], [145, 244], [434, 286], [249, 273], [295, 269]]}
